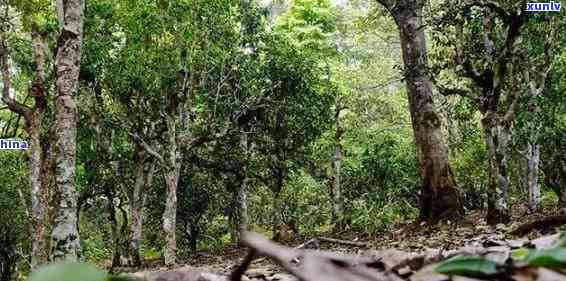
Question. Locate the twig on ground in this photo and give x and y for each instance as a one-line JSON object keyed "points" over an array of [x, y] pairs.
{"points": [[345, 242]]}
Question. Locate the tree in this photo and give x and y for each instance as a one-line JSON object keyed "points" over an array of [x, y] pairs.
{"points": [[498, 80], [32, 115], [65, 236], [439, 195], [536, 74]]}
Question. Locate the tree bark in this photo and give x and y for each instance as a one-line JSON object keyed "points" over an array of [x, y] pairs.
{"points": [[39, 188], [276, 219], [38, 196], [143, 181], [497, 137], [65, 236], [532, 171], [337, 206], [172, 171], [241, 193], [439, 196]]}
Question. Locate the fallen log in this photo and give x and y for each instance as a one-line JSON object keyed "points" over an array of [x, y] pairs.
{"points": [[539, 224]]}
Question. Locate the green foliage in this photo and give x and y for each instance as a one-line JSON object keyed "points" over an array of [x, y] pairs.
{"points": [[555, 257], [13, 219], [309, 23], [306, 201], [468, 266], [381, 183]]}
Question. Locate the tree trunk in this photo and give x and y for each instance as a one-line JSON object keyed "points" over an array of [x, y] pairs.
{"points": [[136, 206], [39, 187], [170, 217], [497, 136], [144, 179], [531, 175], [337, 208], [241, 196], [439, 195], [172, 170], [65, 236], [32, 117], [113, 227], [276, 219], [48, 186], [38, 196]]}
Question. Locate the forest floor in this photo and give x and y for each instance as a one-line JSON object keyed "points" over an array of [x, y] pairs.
{"points": [[472, 231]]}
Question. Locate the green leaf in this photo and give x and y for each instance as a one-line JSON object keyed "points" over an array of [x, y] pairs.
{"points": [[555, 257], [468, 266], [520, 254], [68, 271]]}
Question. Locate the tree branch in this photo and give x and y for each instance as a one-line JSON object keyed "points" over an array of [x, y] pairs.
{"points": [[148, 148], [456, 92]]}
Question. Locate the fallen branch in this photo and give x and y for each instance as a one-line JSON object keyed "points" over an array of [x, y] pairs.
{"points": [[539, 224], [312, 241], [314, 265]]}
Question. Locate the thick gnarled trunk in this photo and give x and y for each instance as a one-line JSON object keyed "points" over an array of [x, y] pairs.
{"points": [[439, 195], [65, 236]]}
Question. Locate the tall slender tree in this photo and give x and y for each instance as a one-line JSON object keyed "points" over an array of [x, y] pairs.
{"points": [[65, 235], [32, 116]]}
